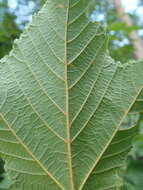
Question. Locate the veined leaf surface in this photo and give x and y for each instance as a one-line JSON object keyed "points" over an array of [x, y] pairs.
{"points": [[62, 102]]}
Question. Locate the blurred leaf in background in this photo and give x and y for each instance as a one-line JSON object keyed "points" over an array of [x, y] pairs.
{"points": [[14, 15], [133, 176], [1, 170], [120, 44], [9, 30]]}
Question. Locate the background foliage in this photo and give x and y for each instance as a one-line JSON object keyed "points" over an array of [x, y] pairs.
{"points": [[12, 22]]}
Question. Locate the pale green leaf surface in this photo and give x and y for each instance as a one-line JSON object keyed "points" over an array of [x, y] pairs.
{"points": [[138, 106], [131, 120], [62, 102]]}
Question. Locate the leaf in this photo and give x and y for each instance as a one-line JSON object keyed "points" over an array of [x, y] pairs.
{"points": [[134, 174], [62, 102], [121, 26], [137, 107], [5, 184], [137, 150]]}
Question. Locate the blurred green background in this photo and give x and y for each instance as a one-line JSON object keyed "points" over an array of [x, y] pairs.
{"points": [[124, 22]]}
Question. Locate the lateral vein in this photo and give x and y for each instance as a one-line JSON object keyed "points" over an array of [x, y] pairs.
{"points": [[30, 153]]}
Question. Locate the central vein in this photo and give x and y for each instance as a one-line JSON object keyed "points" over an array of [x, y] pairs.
{"points": [[68, 140]]}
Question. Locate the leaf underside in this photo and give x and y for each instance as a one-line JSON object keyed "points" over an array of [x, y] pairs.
{"points": [[63, 101]]}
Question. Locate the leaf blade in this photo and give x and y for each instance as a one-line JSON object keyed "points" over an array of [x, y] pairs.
{"points": [[65, 98]]}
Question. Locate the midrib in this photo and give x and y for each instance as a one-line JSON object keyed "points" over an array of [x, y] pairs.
{"points": [[68, 140]]}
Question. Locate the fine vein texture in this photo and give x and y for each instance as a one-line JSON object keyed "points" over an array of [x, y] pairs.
{"points": [[63, 102]]}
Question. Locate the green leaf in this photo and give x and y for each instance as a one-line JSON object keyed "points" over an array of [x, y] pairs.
{"points": [[121, 26], [5, 184], [134, 174], [138, 106], [62, 102]]}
